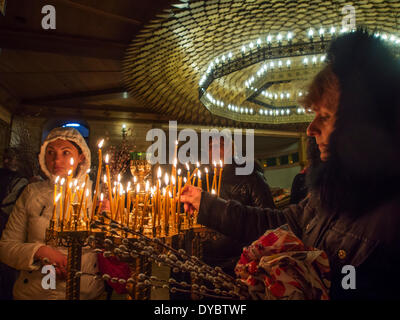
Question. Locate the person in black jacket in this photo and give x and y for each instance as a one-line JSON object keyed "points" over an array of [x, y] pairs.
{"points": [[299, 189], [250, 190], [12, 183], [353, 211]]}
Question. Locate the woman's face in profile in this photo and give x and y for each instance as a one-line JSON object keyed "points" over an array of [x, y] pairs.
{"points": [[58, 157]]}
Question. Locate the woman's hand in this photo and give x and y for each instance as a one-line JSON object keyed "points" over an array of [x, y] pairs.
{"points": [[53, 257], [191, 197]]}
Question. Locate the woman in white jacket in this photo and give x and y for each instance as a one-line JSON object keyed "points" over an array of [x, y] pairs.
{"points": [[22, 245]]}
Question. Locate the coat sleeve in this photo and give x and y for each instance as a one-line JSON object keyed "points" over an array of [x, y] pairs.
{"points": [[14, 251], [246, 223]]}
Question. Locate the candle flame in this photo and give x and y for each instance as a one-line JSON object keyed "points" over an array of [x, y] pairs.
{"points": [[69, 172], [206, 171], [119, 177], [101, 144], [62, 181], [175, 162], [101, 197], [82, 185], [114, 189], [164, 192], [215, 164], [170, 194], [166, 179], [220, 163], [107, 158], [198, 164], [105, 178], [87, 192], [138, 188], [58, 178], [179, 172], [75, 182], [88, 171], [134, 179], [58, 197], [184, 179], [128, 186], [173, 180], [176, 142], [199, 174], [187, 167], [71, 161], [212, 191], [147, 185], [70, 185], [159, 172]]}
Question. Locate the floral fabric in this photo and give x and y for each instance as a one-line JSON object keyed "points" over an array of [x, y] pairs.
{"points": [[278, 266]]}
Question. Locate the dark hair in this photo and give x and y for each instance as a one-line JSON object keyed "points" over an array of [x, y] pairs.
{"points": [[324, 89], [362, 168], [76, 146]]}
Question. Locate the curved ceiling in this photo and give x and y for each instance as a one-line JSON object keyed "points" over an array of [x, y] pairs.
{"points": [[165, 62]]}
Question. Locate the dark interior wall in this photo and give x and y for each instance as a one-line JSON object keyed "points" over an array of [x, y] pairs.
{"points": [[4, 138]]}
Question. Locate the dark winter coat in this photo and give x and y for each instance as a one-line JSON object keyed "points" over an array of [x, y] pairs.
{"points": [[370, 243], [299, 188], [250, 190]]}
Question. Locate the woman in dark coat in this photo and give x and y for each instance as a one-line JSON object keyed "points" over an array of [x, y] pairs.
{"points": [[353, 213]]}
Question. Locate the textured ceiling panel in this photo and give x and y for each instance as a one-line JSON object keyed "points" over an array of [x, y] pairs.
{"points": [[164, 64]]}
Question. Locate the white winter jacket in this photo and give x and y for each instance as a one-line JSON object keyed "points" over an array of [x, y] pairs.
{"points": [[25, 233]]}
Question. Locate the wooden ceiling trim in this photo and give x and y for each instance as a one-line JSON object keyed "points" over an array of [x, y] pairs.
{"points": [[61, 44]]}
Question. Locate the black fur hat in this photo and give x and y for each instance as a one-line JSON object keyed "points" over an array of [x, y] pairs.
{"points": [[363, 168]]}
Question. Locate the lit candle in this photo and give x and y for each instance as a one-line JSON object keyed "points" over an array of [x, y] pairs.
{"points": [[136, 206], [220, 176], [214, 183], [179, 192], [100, 204], [199, 179], [153, 217], [67, 192], [173, 179], [188, 182], [156, 201], [55, 188], [208, 183], [61, 217], [96, 190], [188, 173], [128, 190], [55, 207], [85, 213], [166, 202], [146, 199], [110, 198]]}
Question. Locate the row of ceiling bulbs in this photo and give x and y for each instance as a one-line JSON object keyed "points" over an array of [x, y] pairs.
{"points": [[271, 65], [279, 38], [246, 110]]}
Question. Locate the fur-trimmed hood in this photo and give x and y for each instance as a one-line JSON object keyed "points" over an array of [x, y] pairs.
{"points": [[69, 134], [364, 149]]}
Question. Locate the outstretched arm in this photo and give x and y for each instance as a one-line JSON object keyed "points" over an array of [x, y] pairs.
{"points": [[240, 222]]}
